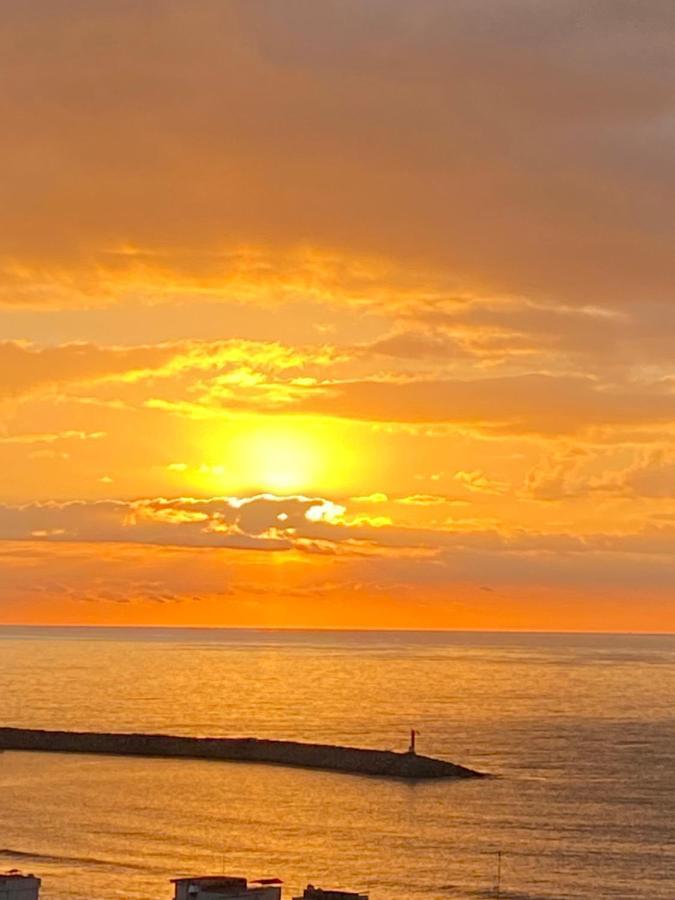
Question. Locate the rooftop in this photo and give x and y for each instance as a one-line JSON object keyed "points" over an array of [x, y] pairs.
{"points": [[13, 874], [315, 893], [226, 885], [214, 881]]}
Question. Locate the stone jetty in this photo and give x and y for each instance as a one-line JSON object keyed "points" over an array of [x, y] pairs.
{"points": [[354, 760]]}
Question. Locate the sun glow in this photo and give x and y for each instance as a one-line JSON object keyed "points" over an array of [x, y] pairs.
{"points": [[283, 456], [277, 459]]}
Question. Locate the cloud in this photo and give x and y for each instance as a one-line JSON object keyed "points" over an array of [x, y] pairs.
{"points": [[259, 522], [27, 368], [272, 522], [51, 438], [478, 483], [575, 472], [420, 345], [211, 558], [515, 149], [597, 338], [203, 380], [559, 474], [226, 365], [377, 497], [520, 404], [422, 500], [653, 476], [650, 476]]}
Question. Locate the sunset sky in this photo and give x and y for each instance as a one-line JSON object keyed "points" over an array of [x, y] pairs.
{"points": [[338, 313]]}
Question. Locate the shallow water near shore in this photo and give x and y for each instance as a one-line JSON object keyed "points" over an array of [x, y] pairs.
{"points": [[579, 728]]}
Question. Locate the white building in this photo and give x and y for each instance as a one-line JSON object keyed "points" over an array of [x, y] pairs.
{"points": [[15, 886], [225, 887]]}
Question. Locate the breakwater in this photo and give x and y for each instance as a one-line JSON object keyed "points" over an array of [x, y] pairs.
{"points": [[355, 760]]}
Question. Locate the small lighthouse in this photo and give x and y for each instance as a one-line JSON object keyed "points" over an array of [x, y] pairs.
{"points": [[413, 737]]}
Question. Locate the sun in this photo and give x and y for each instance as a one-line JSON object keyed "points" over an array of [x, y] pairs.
{"points": [[278, 458], [284, 455]]}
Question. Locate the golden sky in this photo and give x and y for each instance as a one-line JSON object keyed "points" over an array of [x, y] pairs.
{"points": [[338, 314]]}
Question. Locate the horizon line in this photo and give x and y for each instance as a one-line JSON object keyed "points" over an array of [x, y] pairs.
{"points": [[333, 630]]}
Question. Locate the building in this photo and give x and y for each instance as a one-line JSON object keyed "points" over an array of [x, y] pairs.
{"points": [[315, 893], [225, 887], [15, 886]]}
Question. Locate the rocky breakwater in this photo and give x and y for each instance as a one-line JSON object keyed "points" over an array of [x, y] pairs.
{"points": [[384, 763]]}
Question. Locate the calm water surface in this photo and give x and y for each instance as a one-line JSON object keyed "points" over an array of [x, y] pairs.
{"points": [[580, 730]]}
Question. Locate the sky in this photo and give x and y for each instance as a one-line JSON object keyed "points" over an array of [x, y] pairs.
{"points": [[338, 314]]}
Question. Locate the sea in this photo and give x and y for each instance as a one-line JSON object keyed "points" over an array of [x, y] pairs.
{"points": [[578, 731]]}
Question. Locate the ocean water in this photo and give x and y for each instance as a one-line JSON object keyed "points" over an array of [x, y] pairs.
{"points": [[578, 729]]}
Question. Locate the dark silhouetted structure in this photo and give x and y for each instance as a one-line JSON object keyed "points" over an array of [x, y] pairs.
{"points": [[413, 736], [14, 885], [356, 760], [315, 893], [226, 887]]}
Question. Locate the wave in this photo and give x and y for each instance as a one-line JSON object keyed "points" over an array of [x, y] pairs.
{"points": [[487, 893], [10, 853]]}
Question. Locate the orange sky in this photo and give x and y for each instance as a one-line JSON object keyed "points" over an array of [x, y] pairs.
{"points": [[338, 314]]}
